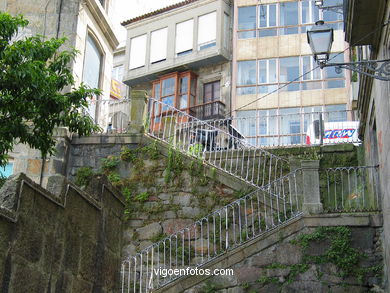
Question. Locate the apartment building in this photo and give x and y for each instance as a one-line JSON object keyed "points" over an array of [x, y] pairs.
{"points": [[277, 86], [181, 55]]}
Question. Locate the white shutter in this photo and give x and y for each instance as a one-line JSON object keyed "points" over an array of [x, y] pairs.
{"points": [[158, 45], [207, 28], [137, 51], [184, 36]]}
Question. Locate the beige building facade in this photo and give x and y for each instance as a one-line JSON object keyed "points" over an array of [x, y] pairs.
{"points": [[276, 82]]}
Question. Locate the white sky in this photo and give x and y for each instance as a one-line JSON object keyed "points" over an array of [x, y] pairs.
{"points": [[126, 9]]}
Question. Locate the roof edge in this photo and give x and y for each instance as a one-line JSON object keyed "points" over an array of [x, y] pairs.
{"points": [[158, 11]]}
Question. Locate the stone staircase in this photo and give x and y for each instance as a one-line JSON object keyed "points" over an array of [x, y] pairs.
{"points": [[281, 201], [276, 198]]}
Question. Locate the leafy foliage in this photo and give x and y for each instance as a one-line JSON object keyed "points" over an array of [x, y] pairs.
{"points": [[33, 74], [83, 176]]}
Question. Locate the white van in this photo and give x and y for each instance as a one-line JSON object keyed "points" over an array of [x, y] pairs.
{"points": [[334, 132]]}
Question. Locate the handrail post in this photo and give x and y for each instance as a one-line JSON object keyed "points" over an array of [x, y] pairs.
{"points": [[311, 187], [137, 111]]}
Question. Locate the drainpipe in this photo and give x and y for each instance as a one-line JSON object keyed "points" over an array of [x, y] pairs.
{"points": [[59, 19]]}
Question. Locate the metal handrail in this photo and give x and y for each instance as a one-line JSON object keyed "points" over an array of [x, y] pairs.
{"points": [[211, 236], [213, 145], [350, 189]]}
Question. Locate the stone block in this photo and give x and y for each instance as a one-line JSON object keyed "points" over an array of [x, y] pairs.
{"points": [[189, 212], [183, 200], [174, 225], [34, 166], [149, 231], [247, 274]]}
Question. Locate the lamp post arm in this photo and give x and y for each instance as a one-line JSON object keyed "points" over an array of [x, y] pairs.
{"points": [[378, 69], [335, 8]]}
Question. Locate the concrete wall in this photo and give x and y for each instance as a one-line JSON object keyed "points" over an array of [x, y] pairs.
{"points": [[377, 135], [275, 263], [64, 241]]}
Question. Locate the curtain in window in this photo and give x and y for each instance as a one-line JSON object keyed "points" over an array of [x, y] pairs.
{"points": [[207, 30], [137, 51], [158, 45], [184, 36]]}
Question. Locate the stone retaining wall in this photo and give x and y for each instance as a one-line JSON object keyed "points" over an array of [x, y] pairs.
{"points": [[60, 241]]}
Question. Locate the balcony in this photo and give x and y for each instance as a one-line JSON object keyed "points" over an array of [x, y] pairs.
{"points": [[208, 111]]}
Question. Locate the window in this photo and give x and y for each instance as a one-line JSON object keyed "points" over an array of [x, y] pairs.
{"points": [[246, 73], [158, 45], [184, 37], [247, 21], [137, 52], [207, 30], [211, 92], [175, 90], [267, 74], [267, 19], [117, 73], [289, 71], [298, 73], [91, 71], [168, 92], [284, 18], [289, 17], [336, 113], [284, 126], [7, 170]]}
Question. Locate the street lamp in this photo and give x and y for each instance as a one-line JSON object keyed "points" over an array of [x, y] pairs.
{"points": [[320, 39]]}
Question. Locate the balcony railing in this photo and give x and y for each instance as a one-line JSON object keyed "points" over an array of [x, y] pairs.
{"points": [[312, 128], [208, 111]]}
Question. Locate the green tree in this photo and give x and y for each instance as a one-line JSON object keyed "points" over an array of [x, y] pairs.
{"points": [[33, 75]]}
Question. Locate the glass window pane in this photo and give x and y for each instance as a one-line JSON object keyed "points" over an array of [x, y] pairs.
{"points": [[289, 69], [208, 92], [157, 91], [263, 16], [168, 87], [246, 90], [288, 13], [247, 17], [263, 71], [168, 101], [330, 72], [335, 113], [216, 91], [7, 170], [246, 73], [183, 101], [272, 71], [92, 63], [184, 85], [268, 33], [246, 35], [272, 15]]}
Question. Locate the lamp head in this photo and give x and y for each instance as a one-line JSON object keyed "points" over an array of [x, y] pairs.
{"points": [[320, 39]]}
